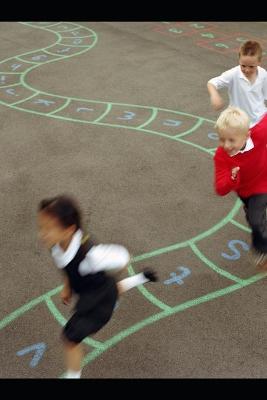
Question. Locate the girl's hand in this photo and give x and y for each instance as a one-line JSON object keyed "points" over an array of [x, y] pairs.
{"points": [[234, 173], [66, 296]]}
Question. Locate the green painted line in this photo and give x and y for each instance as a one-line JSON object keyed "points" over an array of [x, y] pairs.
{"points": [[26, 307], [212, 151], [133, 128], [197, 238], [220, 224], [42, 114], [109, 106], [187, 114], [25, 61], [126, 104], [46, 26], [25, 99], [93, 33], [55, 312], [59, 57], [167, 310], [156, 317], [254, 278], [59, 37], [160, 251], [73, 45], [76, 119], [64, 56], [6, 73], [194, 127], [70, 30], [7, 86], [17, 313], [241, 226], [148, 295], [51, 45], [214, 267], [197, 146], [152, 117], [20, 55], [77, 37], [34, 25], [62, 321], [60, 108], [114, 103], [13, 105], [16, 58], [23, 75], [102, 116], [93, 122], [75, 29]]}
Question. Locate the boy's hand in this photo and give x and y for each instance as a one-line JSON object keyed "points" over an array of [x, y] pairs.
{"points": [[234, 173], [217, 102], [65, 296]]}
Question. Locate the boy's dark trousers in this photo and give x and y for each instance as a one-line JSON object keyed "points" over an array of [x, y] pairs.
{"points": [[255, 209]]}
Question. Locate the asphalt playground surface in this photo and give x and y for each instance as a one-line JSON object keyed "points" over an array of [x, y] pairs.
{"points": [[118, 115]]}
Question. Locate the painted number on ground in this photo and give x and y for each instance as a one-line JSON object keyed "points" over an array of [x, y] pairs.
{"points": [[128, 115], [213, 136], [236, 253], [38, 348], [184, 272]]}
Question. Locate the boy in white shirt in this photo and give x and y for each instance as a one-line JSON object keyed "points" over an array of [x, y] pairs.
{"points": [[246, 83]]}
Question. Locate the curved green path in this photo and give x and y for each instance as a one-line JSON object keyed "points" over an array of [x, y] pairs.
{"points": [[72, 40]]}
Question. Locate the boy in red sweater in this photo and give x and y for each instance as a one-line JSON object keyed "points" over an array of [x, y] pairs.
{"points": [[241, 166]]}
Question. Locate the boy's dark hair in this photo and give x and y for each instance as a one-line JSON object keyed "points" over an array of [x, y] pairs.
{"points": [[64, 208], [251, 48]]}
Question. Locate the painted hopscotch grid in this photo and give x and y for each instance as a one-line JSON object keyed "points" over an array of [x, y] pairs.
{"points": [[231, 281], [209, 36]]}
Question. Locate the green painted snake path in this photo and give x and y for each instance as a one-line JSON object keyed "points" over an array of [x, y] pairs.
{"points": [[72, 40]]}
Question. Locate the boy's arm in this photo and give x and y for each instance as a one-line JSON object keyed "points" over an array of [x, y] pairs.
{"points": [[226, 178], [215, 98], [219, 82]]}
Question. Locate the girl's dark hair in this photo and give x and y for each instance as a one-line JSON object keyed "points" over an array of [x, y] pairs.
{"points": [[251, 48], [64, 208]]}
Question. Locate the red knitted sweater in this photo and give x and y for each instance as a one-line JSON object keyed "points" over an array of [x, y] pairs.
{"points": [[252, 176]]}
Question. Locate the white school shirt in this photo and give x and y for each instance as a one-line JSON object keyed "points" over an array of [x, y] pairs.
{"points": [[244, 94], [100, 257], [249, 146]]}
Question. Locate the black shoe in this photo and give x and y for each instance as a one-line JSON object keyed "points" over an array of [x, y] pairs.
{"points": [[151, 275]]}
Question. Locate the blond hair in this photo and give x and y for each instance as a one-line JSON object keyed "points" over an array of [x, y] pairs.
{"points": [[234, 118]]}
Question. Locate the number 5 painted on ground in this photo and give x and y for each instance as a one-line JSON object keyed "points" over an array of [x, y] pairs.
{"points": [[231, 245]]}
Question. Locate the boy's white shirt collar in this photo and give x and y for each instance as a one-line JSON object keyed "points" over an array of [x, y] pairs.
{"points": [[249, 146], [242, 76], [63, 258]]}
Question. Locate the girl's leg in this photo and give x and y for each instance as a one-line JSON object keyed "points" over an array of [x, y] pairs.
{"points": [[136, 280], [73, 358]]}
